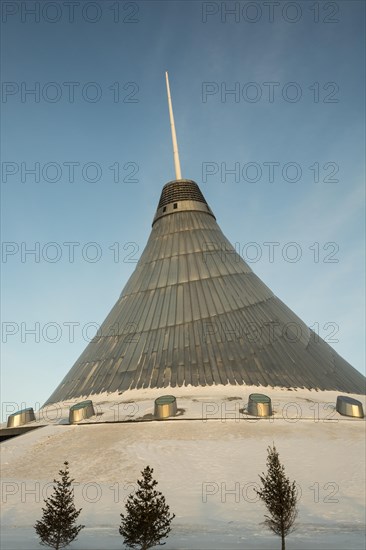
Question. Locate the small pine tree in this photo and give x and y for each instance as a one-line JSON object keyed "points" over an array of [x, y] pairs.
{"points": [[147, 520], [280, 497], [57, 527]]}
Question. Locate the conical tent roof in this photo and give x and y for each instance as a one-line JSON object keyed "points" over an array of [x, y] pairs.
{"points": [[193, 312]]}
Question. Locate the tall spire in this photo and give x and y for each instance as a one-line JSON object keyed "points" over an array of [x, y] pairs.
{"points": [[178, 174]]}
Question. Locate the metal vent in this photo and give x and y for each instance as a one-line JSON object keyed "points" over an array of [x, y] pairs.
{"points": [[182, 190], [165, 406], [81, 411], [259, 405], [349, 407], [21, 417]]}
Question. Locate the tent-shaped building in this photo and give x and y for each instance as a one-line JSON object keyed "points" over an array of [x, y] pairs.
{"points": [[194, 313]]}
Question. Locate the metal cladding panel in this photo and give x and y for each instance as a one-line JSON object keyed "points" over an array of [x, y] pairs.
{"points": [[193, 312]]}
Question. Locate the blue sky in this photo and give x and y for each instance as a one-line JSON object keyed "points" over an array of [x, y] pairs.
{"points": [[310, 56]]}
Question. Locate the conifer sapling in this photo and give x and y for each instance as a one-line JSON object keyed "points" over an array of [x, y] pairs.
{"points": [[58, 528], [147, 519], [280, 497]]}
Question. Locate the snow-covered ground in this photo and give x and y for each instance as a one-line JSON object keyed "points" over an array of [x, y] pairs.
{"points": [[206, 461]]}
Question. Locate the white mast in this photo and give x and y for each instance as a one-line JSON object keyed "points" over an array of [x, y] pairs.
{"points": [[178, 174]]}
